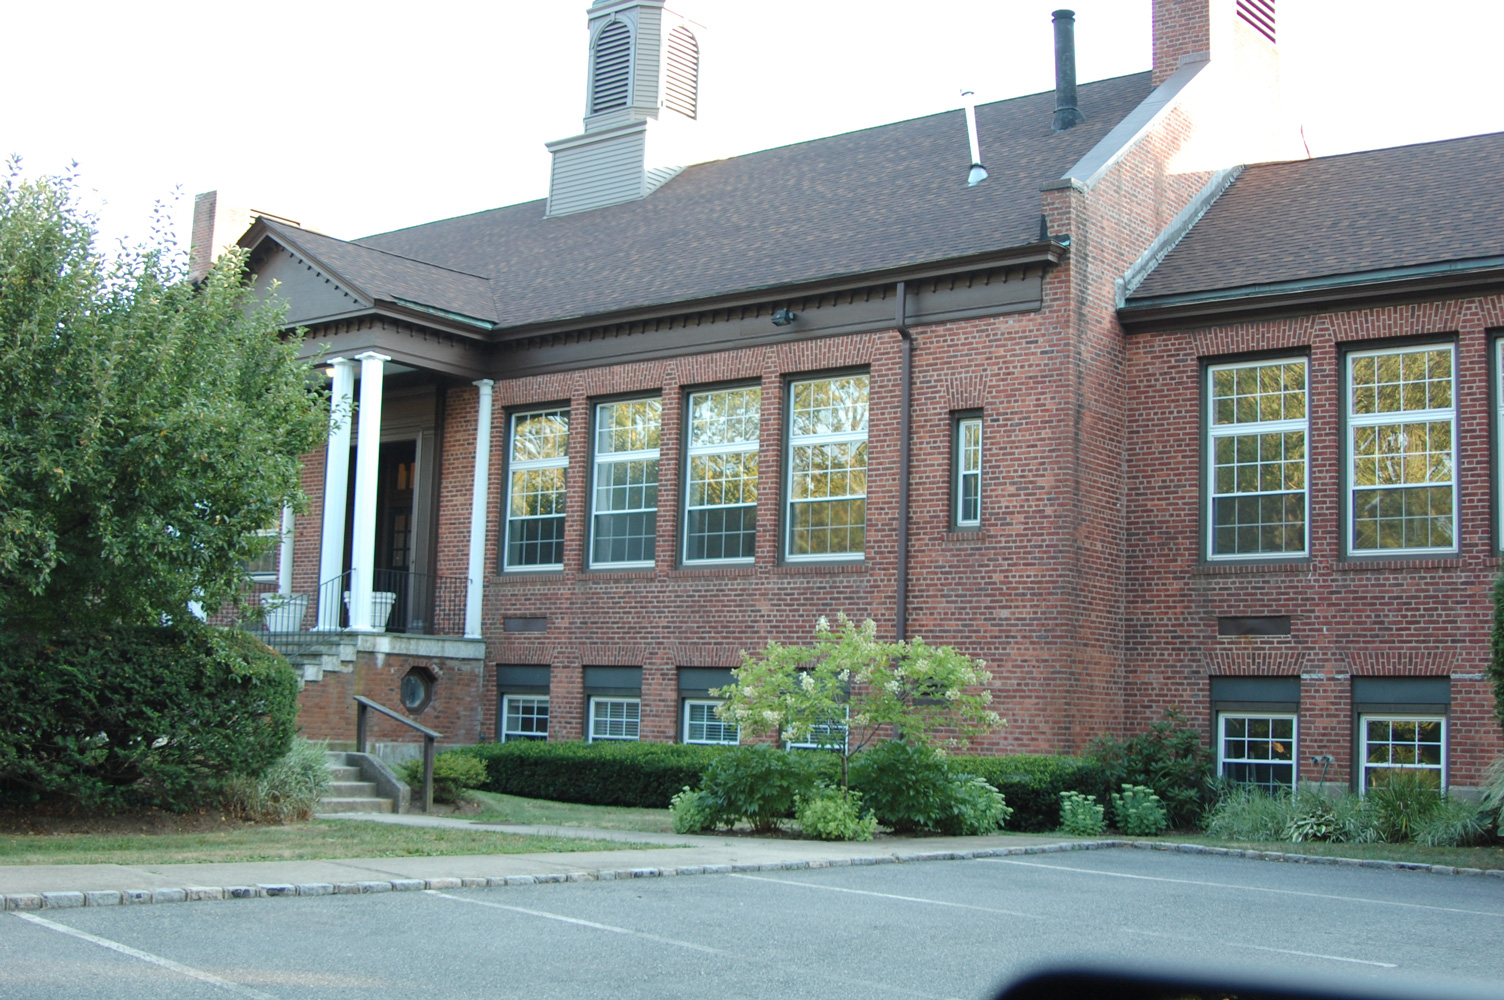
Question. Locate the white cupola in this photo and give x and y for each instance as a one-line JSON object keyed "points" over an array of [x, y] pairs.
{"points": [[642, 100]]}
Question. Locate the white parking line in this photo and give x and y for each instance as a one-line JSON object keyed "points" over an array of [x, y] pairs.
{"points": [[1259, 947], [889, 895], [145, 956], [1246, 888], [582, 923]]}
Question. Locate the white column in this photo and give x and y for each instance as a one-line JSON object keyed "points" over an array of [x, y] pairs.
{"points": [[367, 454], [284, 558], [475, 585], [336, 491]]}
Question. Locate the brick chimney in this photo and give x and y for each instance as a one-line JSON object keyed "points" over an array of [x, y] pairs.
{"points": [[217, 224], [1241, 30]]}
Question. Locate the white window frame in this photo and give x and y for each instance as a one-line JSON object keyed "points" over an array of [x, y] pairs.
{"points": [[506, 702], [1356, 421], [1256, 429], [694, 451], [630, 721], [709, 704], [968, 465], [600, 459], [1363, 764], [275, 551], [514, 466], [828, 727], [797, 441], [1223, 760]]}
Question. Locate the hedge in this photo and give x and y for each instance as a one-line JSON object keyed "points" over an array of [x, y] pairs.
{"points": [[646, 775], [650, 774], [136, 717], [1032, 784]]}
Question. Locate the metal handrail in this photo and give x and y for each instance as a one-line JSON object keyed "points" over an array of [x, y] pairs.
{"points": [[429, 736]]}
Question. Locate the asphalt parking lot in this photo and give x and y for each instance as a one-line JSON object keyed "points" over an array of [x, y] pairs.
{"points": [[928, 930]]}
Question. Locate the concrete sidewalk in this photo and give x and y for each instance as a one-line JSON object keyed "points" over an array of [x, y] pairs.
{"points": [[57, 886]]}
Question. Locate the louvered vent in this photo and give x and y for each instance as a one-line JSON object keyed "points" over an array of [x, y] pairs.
{"points": [[682, 77], [1260, 14], [610, 75]]}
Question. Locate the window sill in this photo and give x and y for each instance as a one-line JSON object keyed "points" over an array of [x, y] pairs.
{"points": [[746, 569], [606, 573], [1360, 563], [964, 536], [819, 568], [1303, 565]]}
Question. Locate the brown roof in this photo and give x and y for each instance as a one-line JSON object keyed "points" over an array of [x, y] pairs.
{"points": [[1437, 202], [880, 198]]}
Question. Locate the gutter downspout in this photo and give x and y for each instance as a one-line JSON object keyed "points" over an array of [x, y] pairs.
{"points": [[906, 391]]}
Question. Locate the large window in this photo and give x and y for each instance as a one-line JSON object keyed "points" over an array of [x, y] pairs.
{"points": [[702, 726], [1256, 459], [615, 718], [720, 505], [827, 482], [1257, 750], [625, 521], [968, 466], [1402, 418], [537, 465], [1393, 743], [524, 717]]}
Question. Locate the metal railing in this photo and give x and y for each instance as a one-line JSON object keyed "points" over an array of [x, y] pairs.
{"points": [[363, 707], [402, 602], [422, 603]]}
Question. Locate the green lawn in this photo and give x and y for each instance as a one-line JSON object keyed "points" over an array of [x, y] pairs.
{"points": [[324, 839], [1460, 857], [542, 812]]}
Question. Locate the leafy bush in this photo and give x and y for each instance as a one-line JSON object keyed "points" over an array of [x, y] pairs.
{"points": [[1169, 757], [759, 783], [1453, 822], [691, 812], [906, 785], [976, 808], [1032, 784], [1081, 815], [1400, 802], [1493, 792], [288, 790], [834, 814], [1138, 812], [140, 716], [646, 775], [454, 771]]}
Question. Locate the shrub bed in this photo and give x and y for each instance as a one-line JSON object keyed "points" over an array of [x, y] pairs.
{"points": [[1032, 783], [140, 717], [646, 775]]}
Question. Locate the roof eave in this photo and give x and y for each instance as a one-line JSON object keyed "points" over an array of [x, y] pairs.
{"points": [[1309, 295], [1048, 253]]}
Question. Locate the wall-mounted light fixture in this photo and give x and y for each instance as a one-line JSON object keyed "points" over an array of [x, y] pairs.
{"points": [[784, 317]]}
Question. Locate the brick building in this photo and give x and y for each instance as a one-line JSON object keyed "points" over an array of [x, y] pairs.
{"points": [[606, 441]]}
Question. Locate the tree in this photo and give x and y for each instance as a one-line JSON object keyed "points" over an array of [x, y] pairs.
{"points": [[848, 688], [150, 427]]}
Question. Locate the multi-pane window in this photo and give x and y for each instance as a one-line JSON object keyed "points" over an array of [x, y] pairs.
{"points": [[827, 484], [625, 521], [968, 472], [1410, 742], [720, 506], [1257, 458], [1402, 418], [702, 726], [1257, 750], [615, 718], [524, 717], [537, 466]]}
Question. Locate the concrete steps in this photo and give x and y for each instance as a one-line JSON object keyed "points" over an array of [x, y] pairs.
{"points": [[347, 792]]}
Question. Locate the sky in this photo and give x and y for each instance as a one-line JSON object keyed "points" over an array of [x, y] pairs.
{"points": [[361, 118]]}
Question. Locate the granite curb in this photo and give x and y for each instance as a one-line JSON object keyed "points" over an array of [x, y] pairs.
{"points": [[266, 890]]}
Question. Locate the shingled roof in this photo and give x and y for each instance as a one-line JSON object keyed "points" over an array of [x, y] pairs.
{"points": [[881, 198], [1409, 206]]}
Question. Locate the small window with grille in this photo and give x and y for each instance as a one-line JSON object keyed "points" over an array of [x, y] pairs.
{"points": [[1257, 750], [615, 718], [524, 717], [702, 726]]}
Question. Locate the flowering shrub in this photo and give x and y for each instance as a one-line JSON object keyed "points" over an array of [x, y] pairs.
{"points": [[801, 694], [1081, 815]]}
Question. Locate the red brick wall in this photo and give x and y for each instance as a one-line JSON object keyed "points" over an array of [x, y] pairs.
{"points": [[1387, 617]]}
